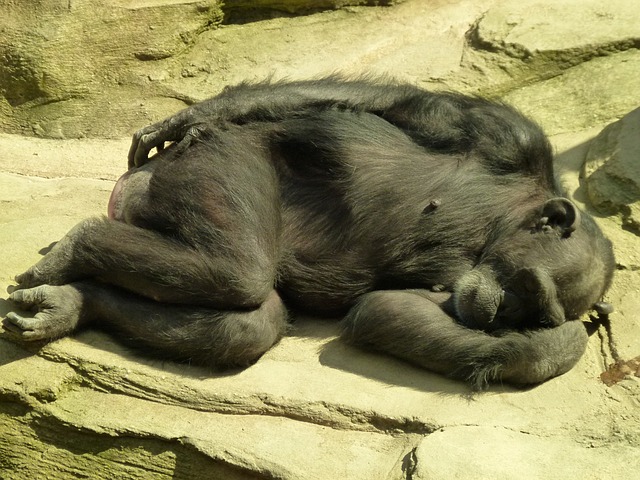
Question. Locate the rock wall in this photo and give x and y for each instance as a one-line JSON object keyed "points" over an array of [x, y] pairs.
{"points": [[84, 75], [81, 68], [612, 171], [77, 68]]}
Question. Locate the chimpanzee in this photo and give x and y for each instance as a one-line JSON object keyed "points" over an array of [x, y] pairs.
{"points": [[431, 220]]}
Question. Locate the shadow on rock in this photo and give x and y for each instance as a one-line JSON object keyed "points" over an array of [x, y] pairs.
{"points": [[382, 368], [106, 350], [10, 351]]}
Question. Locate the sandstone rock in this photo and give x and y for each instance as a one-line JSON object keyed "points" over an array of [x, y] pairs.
{"points": [[612, 171], [592, 93], [65, 61], [568, 31], [540, 57], [518, 44], [503, 454], [244, 8], [98, 88], [312, 407]]}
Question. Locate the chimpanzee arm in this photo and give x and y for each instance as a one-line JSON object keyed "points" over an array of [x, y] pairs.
{"points": [[444, 122], [267, 101], [410, 325]]}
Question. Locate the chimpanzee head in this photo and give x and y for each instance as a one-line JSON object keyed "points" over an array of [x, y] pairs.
{"points": [[552, 267]]}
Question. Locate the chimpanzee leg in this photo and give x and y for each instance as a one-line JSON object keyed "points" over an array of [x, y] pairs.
{"points": [[408, 325], [202, 230], [200, 335], [150, 264]]}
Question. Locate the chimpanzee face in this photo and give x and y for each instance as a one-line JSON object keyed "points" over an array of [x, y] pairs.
{"points": [[552, 269]]}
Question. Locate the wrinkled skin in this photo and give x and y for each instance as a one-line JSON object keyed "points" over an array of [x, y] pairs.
{"points": [[535, 279], [431, 220]]}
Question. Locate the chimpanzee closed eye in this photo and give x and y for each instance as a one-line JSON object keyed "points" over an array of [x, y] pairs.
{"points": [[544, 275]]}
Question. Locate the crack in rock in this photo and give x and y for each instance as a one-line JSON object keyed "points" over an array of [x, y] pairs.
{"points": [[136, 384], [410, 464]]}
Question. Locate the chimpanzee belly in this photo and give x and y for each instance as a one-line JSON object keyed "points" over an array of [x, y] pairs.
{"points": [[333, 235], [321, 266]]}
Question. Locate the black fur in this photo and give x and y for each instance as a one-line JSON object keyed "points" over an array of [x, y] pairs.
{"points": [[336, 197]]}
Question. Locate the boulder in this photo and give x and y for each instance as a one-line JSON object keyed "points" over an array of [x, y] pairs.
{"points": [[312, 407], [612, 171], [65, 64]]}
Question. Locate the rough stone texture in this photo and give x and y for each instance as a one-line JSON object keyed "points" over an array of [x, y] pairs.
{"points": [[612, 170], [545, 57], [66, 62], [312, 407], [496, 452], [247, 8]]}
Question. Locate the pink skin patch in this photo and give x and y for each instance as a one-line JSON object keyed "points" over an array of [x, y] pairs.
{"points": [[114, 200]]}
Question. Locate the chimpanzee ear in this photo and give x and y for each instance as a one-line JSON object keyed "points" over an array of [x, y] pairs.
{"points": [[561, 215]]}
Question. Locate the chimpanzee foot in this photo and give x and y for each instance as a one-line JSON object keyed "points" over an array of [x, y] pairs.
{"points": [[45, 272], [50, 270], [33, 277], [57, 312], [58, 266]]}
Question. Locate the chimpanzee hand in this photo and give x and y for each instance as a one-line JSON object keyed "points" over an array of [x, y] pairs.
{"points": [[178, 128], [58, 312], [414, 325]]}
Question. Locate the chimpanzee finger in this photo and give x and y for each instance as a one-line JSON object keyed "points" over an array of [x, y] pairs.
{"points": [[603, 308], [28, 297], [142, 143], [21, 278], [193, 133], [17, 322], [133, 148], [24, 327], [10, 327]]}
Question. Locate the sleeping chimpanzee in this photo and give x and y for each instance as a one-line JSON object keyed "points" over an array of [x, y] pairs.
{"points": [[431, 219]]}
